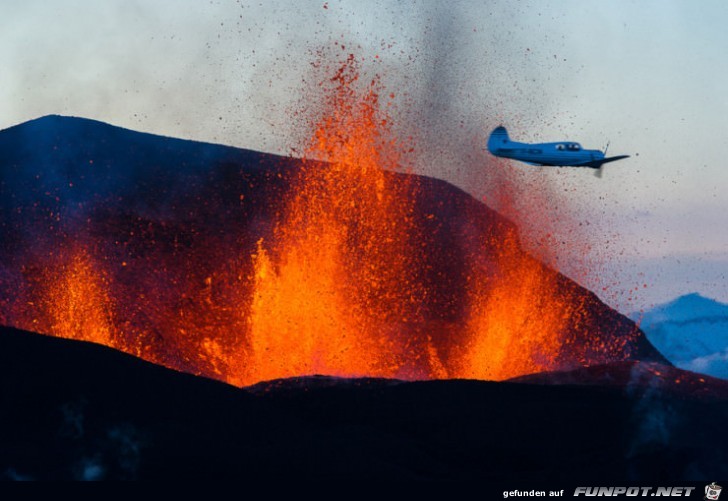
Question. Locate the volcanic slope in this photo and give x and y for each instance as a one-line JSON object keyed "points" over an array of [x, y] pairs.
{"points": [[157, 247], [77, 410]]}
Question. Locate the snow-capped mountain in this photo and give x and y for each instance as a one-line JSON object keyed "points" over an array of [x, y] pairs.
{"points": [[691, 331]]}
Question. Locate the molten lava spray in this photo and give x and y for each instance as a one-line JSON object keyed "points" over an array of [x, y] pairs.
{"points": [[337, 282], [517, 321], [359, 274], [71, 298]]}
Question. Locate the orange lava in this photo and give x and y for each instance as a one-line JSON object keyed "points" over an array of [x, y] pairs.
{"points": [[517, 321], [339, 284], [72, 300], [336, 288]]}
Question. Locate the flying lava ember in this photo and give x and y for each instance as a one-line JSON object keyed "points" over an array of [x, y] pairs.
{"points": [[353, 274]]}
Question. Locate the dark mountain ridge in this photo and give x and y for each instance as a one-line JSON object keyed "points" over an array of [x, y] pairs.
{"points": [[166, 228]]}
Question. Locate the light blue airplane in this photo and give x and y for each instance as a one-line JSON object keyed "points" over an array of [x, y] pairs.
{"points": [[561, 154]]}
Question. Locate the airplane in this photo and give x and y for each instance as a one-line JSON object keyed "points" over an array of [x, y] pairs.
{"points": [[561, 154]]}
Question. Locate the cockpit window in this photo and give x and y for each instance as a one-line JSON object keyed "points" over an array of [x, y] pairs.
{"points": [[574, 146]]}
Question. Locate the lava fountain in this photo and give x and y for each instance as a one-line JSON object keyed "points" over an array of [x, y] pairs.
{"points": [[72, 296], [338, 263], [337, 284]]}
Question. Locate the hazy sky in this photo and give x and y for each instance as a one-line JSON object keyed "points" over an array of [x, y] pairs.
{"points": [[649, 76]]}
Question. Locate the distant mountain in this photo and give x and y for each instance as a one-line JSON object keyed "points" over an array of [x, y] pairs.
{"points": [[691, 331]]}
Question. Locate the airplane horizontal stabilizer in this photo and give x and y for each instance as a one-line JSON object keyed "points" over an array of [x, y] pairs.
{"points": [[596, 164]]}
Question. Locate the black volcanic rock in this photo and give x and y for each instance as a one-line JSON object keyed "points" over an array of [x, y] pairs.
{"points": [[75, 167], [638, 378], [76, 410], [172, 225]]}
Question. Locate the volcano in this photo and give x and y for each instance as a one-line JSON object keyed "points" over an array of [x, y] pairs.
{"points": [[173, 251], [361, 315]]}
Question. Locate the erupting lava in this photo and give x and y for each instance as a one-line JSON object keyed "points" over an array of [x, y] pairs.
{"points": [[518, 320], [342, 282], [355, 275], [73, 299]]}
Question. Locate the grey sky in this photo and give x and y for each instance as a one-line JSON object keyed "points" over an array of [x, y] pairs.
{"points": [[646, 75]]}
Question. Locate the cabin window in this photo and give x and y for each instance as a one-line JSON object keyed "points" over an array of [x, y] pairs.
{"points": [[559, 146]]}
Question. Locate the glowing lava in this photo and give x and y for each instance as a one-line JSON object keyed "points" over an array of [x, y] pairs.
{"points": [[341, 278], [73, 300], [358, 273], [518, 319]]}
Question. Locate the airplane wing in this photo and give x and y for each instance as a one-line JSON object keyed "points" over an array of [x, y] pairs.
{"points": [[596, 164]]}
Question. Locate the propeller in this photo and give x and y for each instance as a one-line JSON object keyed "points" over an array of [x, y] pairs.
{"points": [[599, 172]]}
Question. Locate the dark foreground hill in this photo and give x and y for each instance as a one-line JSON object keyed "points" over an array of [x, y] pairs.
{"points": [[75, 410]]}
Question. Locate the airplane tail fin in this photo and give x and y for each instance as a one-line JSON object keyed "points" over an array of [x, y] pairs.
{"points": [[498, 138]]}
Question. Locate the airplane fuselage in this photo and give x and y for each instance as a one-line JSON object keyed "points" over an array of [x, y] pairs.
{"points": [[550, 154], [558, 154]]}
